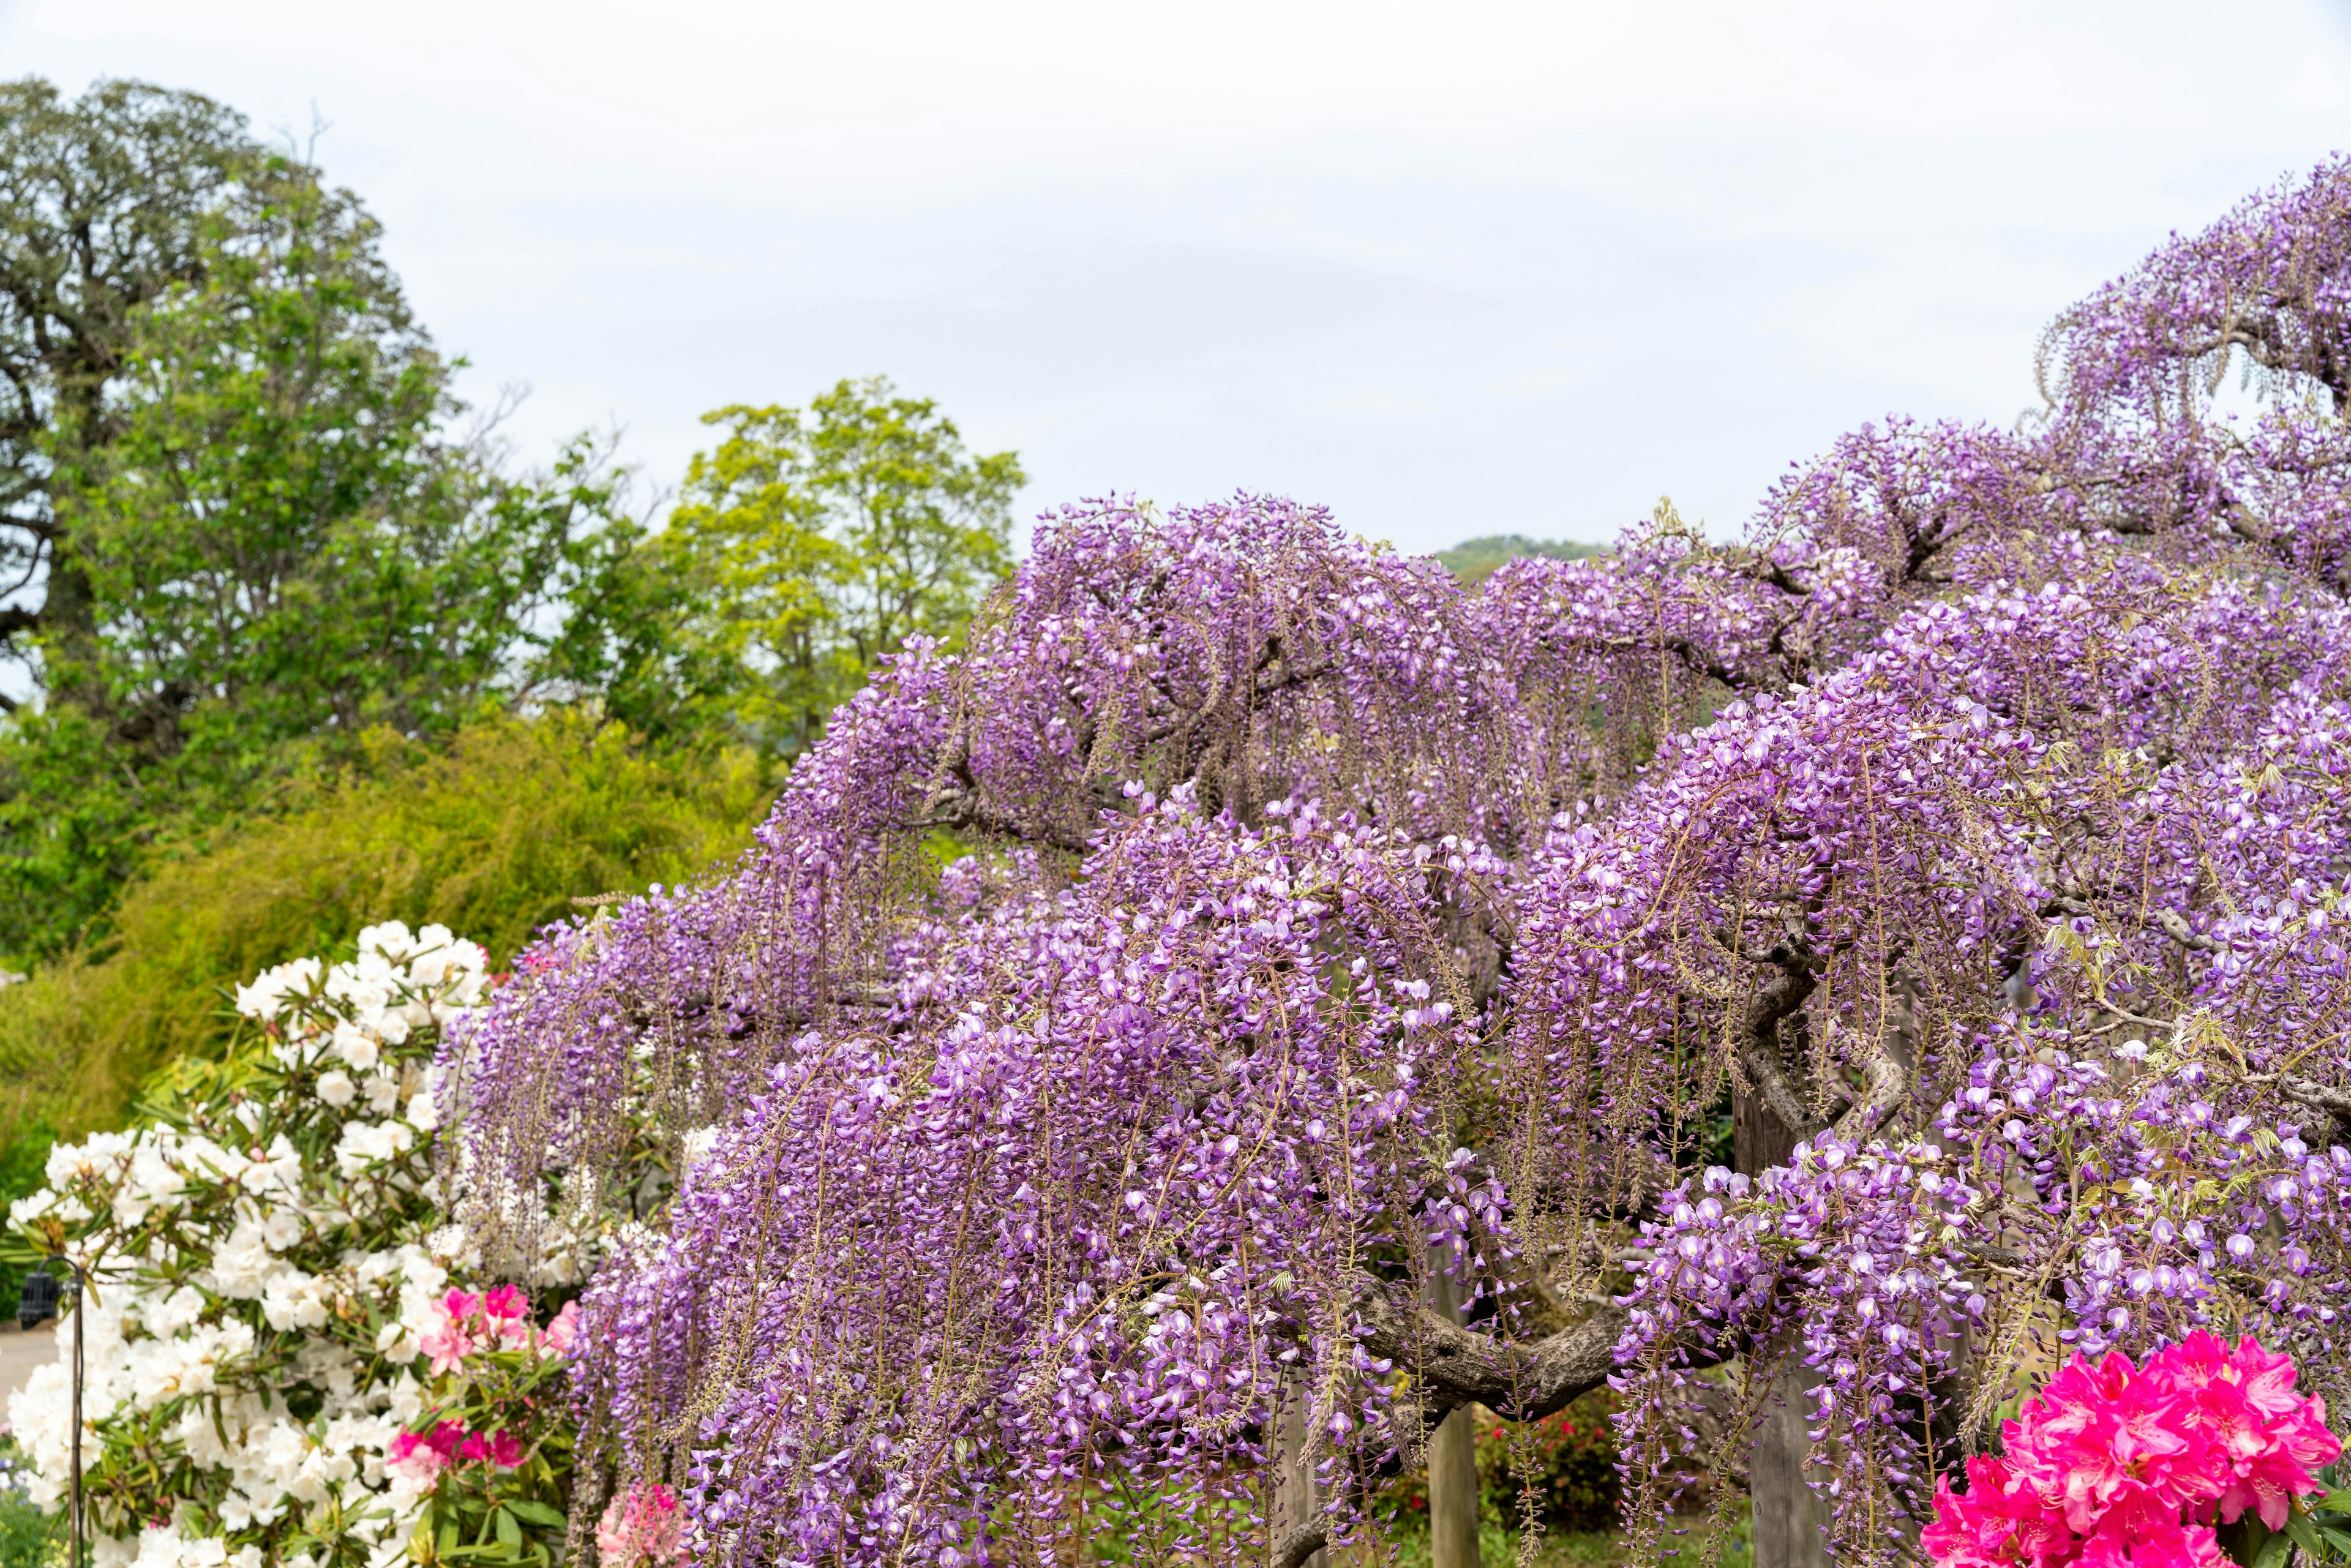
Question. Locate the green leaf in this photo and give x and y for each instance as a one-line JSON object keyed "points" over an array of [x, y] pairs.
{"points": [[446, 1544], [537, 1513], [2297, 1525], [510, 1528]]}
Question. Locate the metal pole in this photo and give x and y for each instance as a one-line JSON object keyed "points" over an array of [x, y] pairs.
{"points": [[80, 1290]]}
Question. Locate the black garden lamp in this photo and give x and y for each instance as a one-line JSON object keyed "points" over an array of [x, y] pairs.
{"points": [[38, 1302]]}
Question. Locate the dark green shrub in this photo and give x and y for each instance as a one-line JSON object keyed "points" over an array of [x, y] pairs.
{"points": [[28, 1538], [1568, 1461]]}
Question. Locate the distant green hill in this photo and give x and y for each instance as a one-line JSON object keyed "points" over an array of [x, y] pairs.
{"points": [[1474, 560]]}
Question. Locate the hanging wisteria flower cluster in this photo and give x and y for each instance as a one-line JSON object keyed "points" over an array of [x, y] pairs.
{"points": [[1135, 1033], [270, 1312], [2115, 1463]]}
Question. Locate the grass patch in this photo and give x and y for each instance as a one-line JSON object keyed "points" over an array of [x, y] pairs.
{"points": [[1408, 1546]]}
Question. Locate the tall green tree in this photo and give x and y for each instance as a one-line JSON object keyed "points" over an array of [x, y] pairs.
{"points": [[243, 525], [104, 203], [282, 538], [811, 543]]}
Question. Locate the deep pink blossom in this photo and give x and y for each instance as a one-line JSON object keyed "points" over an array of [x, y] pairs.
{"points": [[2139, 1530], [2095, 1432], [414, 1458], [2133, 1463], [2261, 1440], [1995, 1525], [421, 1456]]}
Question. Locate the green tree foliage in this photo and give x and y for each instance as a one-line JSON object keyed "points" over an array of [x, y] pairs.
{"points": [[282, 538], [1475, 561], [494, 835], [103, 206], [234, 484], [811, 543]]}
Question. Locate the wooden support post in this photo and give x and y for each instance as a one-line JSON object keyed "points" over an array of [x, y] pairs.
{"points": [[1789, 1515], [1452, 1458], [1295, 1494]]}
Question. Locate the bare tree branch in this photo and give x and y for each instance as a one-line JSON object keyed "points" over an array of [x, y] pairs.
{"points": [[1302, 1544], [1886, 1083], [1775, 1001], [1453, 1366], [2175, 926]]}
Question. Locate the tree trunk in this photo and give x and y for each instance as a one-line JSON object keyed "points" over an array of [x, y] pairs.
{"points": [[1789, 1515], [1452, 1458]]}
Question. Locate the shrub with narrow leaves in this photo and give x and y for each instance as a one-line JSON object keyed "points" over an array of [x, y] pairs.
{"points": [[271, 1316]]}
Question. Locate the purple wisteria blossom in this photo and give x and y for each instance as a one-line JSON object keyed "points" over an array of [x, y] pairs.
{"points": [[1053, 1128]]}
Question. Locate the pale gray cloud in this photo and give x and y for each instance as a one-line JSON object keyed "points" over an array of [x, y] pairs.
{"points": [[1454, 271]]}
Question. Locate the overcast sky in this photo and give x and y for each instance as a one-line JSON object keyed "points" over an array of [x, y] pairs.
{"points": [[1452, 269]]}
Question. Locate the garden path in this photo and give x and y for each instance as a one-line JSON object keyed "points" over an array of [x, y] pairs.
{"points": [[19, 1354]]}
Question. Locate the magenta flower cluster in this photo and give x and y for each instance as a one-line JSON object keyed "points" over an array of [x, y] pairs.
{"points": [[2113, 1463]]}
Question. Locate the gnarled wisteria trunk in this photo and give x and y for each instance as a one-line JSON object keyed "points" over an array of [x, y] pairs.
{"points": [[1072, 1088]]}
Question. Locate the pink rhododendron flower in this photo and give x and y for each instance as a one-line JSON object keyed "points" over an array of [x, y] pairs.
{"points": [[421, 1456], [447, 1346], [1992, 1525], [562, 1334], [2141, 1530], [2096, 1432], [642, 1525], [2116, 1466], [2262, 1439], [506, 1313], [413, 1459]]}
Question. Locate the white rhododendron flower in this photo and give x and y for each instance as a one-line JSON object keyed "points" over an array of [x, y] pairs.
{"points": [[269, 1265]]}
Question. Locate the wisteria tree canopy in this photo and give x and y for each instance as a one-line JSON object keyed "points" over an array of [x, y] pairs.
{"points": [[1120, 1018]]}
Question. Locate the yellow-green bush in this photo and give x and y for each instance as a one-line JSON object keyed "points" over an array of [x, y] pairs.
{"points": [[493, 837]]}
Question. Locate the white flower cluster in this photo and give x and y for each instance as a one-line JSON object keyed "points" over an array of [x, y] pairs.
{"points": [[265, 1271]]}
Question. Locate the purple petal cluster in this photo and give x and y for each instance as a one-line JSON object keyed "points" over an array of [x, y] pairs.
{"points": [[1052, 1125]]}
